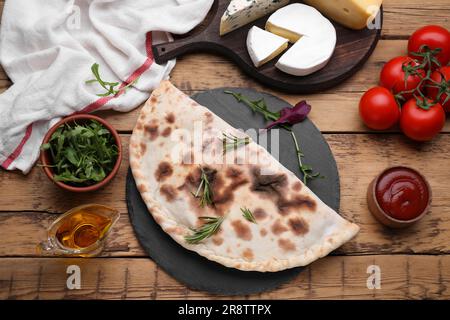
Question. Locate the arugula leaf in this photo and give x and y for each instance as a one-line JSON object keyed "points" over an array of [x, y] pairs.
{"points": [[110, 87], [285, 119], [256, 106], [82, 155]]}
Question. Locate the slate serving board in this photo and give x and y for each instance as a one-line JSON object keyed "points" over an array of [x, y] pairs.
{"points": [[353, 49], [198, 272]]}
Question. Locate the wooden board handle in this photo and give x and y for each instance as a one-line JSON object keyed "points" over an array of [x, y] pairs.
{"points": [[166, 51], [204, 36]]}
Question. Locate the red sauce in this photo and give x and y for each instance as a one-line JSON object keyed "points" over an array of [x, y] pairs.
{"points": [[402, 193]]}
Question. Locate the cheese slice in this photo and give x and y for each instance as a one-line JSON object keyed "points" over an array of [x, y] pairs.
{"points": [[242, 12], [263, 46], [354, 14], [313, 34]]}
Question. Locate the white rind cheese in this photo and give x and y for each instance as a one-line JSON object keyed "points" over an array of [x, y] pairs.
{"points": [[313, 34], [307, 56], [263, 46], [242, 12], [354, 14]]}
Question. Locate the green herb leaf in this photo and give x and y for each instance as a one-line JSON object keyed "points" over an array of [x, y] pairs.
{"points": [[211, 226], [260, 106], [110, 87], [204, 191], [70, 154], [248, 215], [231, 142], [45, 146], [306, 169], [82, 155]]}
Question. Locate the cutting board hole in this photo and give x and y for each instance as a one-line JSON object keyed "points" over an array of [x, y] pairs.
{"points": [[163, 49]]}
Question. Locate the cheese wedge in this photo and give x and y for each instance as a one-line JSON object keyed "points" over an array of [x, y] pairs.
{"points": [[354, 14], [313, 34], [263, 46], [241, 12]]}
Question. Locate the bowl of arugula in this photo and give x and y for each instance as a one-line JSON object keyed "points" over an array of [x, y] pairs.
{"points": [[81, 153]]}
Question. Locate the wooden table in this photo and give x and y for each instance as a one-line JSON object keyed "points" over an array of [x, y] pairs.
{"points": [[415, 263]]}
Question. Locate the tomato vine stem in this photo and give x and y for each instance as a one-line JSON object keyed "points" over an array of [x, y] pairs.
{"points": [[429, 60]]}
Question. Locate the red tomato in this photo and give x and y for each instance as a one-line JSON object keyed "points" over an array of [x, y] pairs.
{"points": [[378, 109], [420, 124], [433, 92], [434, 37], [393, 76]]}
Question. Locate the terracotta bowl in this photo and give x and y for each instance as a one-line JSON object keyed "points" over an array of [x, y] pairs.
{"points": [[381, 215], [46, 160]]}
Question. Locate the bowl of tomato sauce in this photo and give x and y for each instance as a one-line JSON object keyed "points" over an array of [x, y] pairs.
{"points": [[399, 196]]}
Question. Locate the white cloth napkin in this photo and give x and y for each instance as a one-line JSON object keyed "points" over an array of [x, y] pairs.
{"points": [[47, 48]]}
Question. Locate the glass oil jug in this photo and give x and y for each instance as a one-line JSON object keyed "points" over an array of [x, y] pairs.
{"points": [[80, 232]]}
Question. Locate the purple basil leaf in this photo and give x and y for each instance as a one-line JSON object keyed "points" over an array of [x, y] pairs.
{"points": [[293, 115]]}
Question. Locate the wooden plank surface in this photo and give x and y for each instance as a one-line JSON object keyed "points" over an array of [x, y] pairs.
{"points": [[415, 263], [426, 277], [38, 199], [345, 98], [341, 101]]}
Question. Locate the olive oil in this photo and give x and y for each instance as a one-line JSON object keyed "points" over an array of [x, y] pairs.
{"points": [[82, 229], [80, 232]]}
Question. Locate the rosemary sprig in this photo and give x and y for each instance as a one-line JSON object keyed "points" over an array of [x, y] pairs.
{"points": [[204, 191], [231, 142], [211, 226], [260, 106], [110, 87], [248, 215]]}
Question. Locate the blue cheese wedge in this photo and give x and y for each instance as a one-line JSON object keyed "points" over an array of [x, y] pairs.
{"points": [[313, 35], [241, 12], [263, 46]]}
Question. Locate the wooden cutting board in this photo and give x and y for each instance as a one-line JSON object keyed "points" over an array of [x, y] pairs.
{"points": [[353, 49]]}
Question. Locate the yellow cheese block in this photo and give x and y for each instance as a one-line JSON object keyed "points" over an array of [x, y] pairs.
{"points": [[354, 14]]}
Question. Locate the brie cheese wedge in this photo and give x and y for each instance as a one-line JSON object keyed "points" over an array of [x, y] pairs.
{"points": [[313, 34], [263, 46], [242, 12]]}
